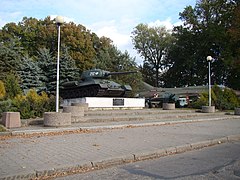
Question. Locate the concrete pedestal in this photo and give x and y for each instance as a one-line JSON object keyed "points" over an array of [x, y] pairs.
{"points": [[108, 102], [84, 105], [11, 119], [237, 111], [56, 119], [168, 106], [77, 113], [208, 109]]}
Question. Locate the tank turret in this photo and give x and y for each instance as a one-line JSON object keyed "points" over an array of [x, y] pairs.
{"points": [[95, 83], [101, 74]]}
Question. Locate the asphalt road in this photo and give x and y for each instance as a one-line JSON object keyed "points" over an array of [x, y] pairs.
{"points": [[217, 162]]}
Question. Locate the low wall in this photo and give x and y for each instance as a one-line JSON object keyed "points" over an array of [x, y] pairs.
{"points": [[208, 109]]}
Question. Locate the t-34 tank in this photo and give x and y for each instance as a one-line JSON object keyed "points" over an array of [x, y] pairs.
{"points": [[95, 83]]}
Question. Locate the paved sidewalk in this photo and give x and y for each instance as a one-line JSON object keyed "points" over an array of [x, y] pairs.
{"points": [[136, 120], [38, 156]]}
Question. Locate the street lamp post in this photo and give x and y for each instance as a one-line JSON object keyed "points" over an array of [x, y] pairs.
{"points": [[59, 21], [209, 59]]}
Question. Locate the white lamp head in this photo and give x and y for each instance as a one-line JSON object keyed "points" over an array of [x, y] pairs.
{"points": [[59, 20], [209, 58]]}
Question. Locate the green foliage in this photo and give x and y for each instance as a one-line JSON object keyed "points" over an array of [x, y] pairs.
{"points": [[226, 98], [223, 99], [2, 90], [234, 33], [148, 73], [202, 101], [12, 87], [30, 74], [2, 128], [79, 41], [153, 43], [210, 28], [34, 34], [33, 44], [33, 105], [10, 55], [5, 106], [68, 68], [48, 68], [105, 52]]}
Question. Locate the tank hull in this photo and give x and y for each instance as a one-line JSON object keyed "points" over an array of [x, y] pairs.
{"points": [[93, 91]]}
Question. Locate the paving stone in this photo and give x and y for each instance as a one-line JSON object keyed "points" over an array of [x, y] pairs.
{"points": [[26, 156]]}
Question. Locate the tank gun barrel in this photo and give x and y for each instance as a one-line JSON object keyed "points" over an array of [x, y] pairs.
{"points": [[120, 73]]}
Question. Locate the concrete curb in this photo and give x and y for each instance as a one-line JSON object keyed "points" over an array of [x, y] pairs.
{"points": [[129, 116], [92, 165], [96, 128]]}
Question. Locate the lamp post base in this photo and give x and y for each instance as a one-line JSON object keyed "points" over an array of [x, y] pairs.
{"points": [[56, 119], [208, 109], [168, 106], [237, 111]]}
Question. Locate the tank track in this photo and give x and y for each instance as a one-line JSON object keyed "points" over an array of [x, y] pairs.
{"points": [[90, 91], [78, 92]]}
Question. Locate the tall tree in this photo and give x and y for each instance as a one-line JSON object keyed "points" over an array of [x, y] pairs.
{"points": [[31, 75], [234, 33], [48, 66], [104, 52], [205, 32], [10, 55], [68, 68], [34, 34], [79, 41], [152, 43]]}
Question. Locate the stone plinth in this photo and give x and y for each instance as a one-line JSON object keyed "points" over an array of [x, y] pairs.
{"points": [[168, 106], [208, 109], [237, 111], [107, 102], [56, 119], [77, 112], [84, 105], [11, 119]]}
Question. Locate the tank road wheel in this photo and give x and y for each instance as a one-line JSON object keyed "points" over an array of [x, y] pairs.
{"points": [[67, 94], [93, 91], [72, 94], [84, 93], [77, 94]]}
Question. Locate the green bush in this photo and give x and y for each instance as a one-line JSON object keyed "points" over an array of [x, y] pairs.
{"points": [[202, 101], [33, 105], [12, 87], [2, 128], [226, 98], [2, 90], [5, 106], [222, 99]]}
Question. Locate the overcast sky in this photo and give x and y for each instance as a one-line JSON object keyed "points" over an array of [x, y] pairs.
{"points": [[115, 19]]}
